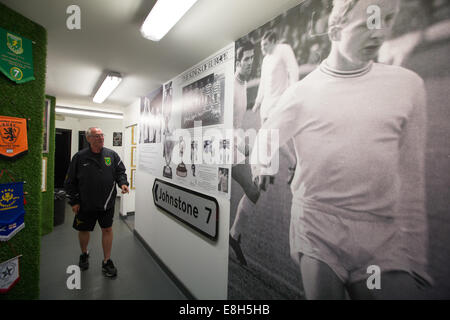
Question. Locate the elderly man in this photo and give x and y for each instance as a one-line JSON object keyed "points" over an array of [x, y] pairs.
{"points": [[91, 188]]}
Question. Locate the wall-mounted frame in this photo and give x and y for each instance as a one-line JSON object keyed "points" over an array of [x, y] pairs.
{"points": [[46, 126], [117, 139], [133, 135], [44, 174], [133, 157], [133, 179]]}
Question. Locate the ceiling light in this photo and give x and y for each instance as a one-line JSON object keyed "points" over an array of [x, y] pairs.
{"points": [[164, 15], [81, 112], [110, 83]]}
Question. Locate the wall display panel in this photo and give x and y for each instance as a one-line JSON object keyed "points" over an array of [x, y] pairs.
{"points": [[356, 151], [150, 131], [188, 139]]}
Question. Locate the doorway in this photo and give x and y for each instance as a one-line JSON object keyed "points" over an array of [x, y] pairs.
{"points": [[82, 141], [63, 142]]}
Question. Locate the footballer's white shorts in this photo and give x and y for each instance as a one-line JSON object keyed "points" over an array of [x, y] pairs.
{"points": [[348, 242]]}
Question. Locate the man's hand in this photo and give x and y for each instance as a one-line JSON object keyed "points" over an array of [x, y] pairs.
{"points": [[125, 189], [76, 208]]}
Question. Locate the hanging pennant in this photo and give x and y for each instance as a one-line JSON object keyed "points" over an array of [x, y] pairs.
{"points": [[12, 211], [13, 136], [9, 274], [16, 57]]}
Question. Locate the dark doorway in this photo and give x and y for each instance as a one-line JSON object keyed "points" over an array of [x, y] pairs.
{"points": [[82, 142], [63, 139]]}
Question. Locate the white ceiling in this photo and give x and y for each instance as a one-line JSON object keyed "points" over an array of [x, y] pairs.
{"points": [[110, 40]]}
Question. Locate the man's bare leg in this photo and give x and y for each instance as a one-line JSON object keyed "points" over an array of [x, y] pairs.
{"points": [[107, 238], [319, 280], [84, 236], [246, 208], [242, 174]]}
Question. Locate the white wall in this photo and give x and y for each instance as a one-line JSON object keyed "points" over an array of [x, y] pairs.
{"points": [[200, 264], [131, 117]]}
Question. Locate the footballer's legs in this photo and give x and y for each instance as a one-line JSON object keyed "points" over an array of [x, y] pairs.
{"points": [[394, 285], [320, 282]]}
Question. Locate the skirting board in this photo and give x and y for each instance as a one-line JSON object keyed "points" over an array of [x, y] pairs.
{"points": [[162, 265]]}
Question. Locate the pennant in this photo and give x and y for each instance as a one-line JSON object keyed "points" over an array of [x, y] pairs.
{"points": [[13, 136], [12, 211], [16, 57], [9, 274]]}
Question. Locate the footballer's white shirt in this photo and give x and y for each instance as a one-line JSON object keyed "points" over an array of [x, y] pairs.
{"points": [[279, 70], [360, 142], [240, 101]]}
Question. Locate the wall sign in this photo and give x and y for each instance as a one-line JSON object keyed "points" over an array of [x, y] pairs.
{"points": [[117, 139], [198, 211], [16, 57]]}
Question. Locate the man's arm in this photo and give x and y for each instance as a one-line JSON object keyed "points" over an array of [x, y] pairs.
{"points": [[71, 183], [291, 64], [120, 175], [279, 128], [411, 207], [260, 94]]}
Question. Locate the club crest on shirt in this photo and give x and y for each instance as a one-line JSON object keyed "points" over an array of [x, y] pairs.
{"points": [[108, 161]]}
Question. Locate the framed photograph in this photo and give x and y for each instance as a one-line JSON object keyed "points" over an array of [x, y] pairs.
{"points": [[133, 157], [117, 139], [133, 179], [46, 126], [44, 175], [133, 135]]}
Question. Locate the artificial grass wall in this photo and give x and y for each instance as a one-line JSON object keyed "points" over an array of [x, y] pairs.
{"points": [[48, 196], [26, 101]]}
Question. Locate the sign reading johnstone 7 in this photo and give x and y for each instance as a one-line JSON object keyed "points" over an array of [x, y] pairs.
{"points": [[199, 211]]}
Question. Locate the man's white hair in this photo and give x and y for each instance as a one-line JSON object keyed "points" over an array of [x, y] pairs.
{"points": [[340, 11], [89, 130]]}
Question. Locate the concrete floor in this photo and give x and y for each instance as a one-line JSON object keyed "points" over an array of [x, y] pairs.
{"points": [[139, 276]]}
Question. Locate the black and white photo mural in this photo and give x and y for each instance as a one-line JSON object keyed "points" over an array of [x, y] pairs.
{"points": [[340, 184]]}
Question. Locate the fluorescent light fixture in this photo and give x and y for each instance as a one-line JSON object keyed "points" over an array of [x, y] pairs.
{"points": [[164, 15], [82, 112], [110, 83]]}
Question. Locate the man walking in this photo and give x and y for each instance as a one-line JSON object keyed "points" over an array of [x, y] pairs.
{"points": [[91, 188]]}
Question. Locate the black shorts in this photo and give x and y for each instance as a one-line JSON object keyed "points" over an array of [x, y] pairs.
{"points": [[85, 220]]}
